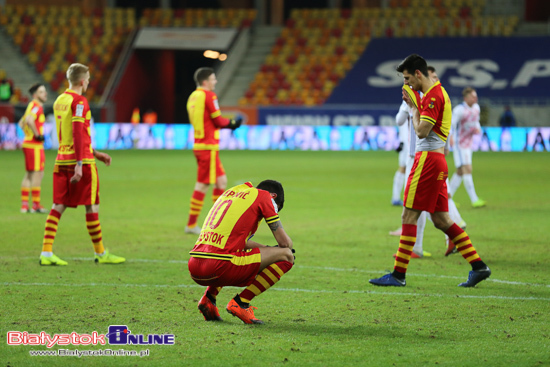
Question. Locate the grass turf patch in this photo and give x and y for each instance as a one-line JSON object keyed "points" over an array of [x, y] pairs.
{"points": [[323, 312]]}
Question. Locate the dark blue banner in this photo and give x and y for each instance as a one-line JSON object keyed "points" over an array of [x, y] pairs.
{"points": [[498, 67], [322, 116]]}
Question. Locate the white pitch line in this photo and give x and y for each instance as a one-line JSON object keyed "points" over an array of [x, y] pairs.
{"points": [[277, 289], [325, 268]]}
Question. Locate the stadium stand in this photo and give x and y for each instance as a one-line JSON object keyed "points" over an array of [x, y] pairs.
{"points": [[318, 46], [53, 37], [221, 18]]}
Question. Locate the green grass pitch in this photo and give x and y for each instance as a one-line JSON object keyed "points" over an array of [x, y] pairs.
{"points": [[323, 312]]}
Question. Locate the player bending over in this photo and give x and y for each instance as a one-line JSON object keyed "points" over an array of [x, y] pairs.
{"points": [[225, 255]]}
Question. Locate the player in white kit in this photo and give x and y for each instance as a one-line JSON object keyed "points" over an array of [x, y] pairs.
{"points": [[465, 124], [399, 177]]}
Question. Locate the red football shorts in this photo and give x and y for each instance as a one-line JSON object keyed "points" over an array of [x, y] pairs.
{"points": [[239, 271], [210, 166], [84, 192], [426, 187], [34, 159]]}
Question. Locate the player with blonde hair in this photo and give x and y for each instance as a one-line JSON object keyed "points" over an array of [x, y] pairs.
{"points": [[75, 178]]}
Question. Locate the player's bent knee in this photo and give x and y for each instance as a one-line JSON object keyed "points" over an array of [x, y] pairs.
{"points": [[286, 255]]}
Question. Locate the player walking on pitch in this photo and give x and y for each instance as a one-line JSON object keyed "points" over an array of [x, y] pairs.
{"points": [[32, 124], [426, 188], [75, 179], [206, 118], [225, 255], [465, 124]]}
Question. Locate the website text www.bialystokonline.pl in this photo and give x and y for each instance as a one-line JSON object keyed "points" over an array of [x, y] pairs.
{"points": [[89, 353]]}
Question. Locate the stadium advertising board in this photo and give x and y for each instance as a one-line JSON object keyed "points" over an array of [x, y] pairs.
{"points": [[7, 113], [498, 67], [274, 137], [185, 38], [322, 116]]}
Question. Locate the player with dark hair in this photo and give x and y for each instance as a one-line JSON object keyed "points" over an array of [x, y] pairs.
{"points": [[75, 179], [205, 116], [426, 188], [225, 255], [32, 124]]}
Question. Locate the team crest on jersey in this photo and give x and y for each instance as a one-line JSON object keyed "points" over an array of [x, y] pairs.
{"points": [[431, 105]]}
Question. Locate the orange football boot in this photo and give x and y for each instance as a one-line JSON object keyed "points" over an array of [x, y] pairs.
{"points": [[245, 314], [208, 309]]}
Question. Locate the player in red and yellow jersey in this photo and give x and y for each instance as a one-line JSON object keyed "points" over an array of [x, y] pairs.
{"points": [[75, 179], [32, 124], [206, 118], [426, 189], [225, 255]]}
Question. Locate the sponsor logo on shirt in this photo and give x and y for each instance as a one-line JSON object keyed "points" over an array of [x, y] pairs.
{"points": [[79, 110]]}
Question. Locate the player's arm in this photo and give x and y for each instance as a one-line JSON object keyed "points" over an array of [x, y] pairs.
{"points": [[78, 138], [30, 121], [253, 244], [422, 126], [216, 115], [477, 123], [283, 240], [402, 115], [103, 157], [455, 122]]}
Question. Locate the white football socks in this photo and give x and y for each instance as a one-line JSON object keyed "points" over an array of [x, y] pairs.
{"points": [[469, 184], [453, 212], [47, 253], [420, 226], [454, 183], [398, 181]]}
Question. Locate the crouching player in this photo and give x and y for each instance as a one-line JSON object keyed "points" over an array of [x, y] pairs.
{"points": [[225, 255]]}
